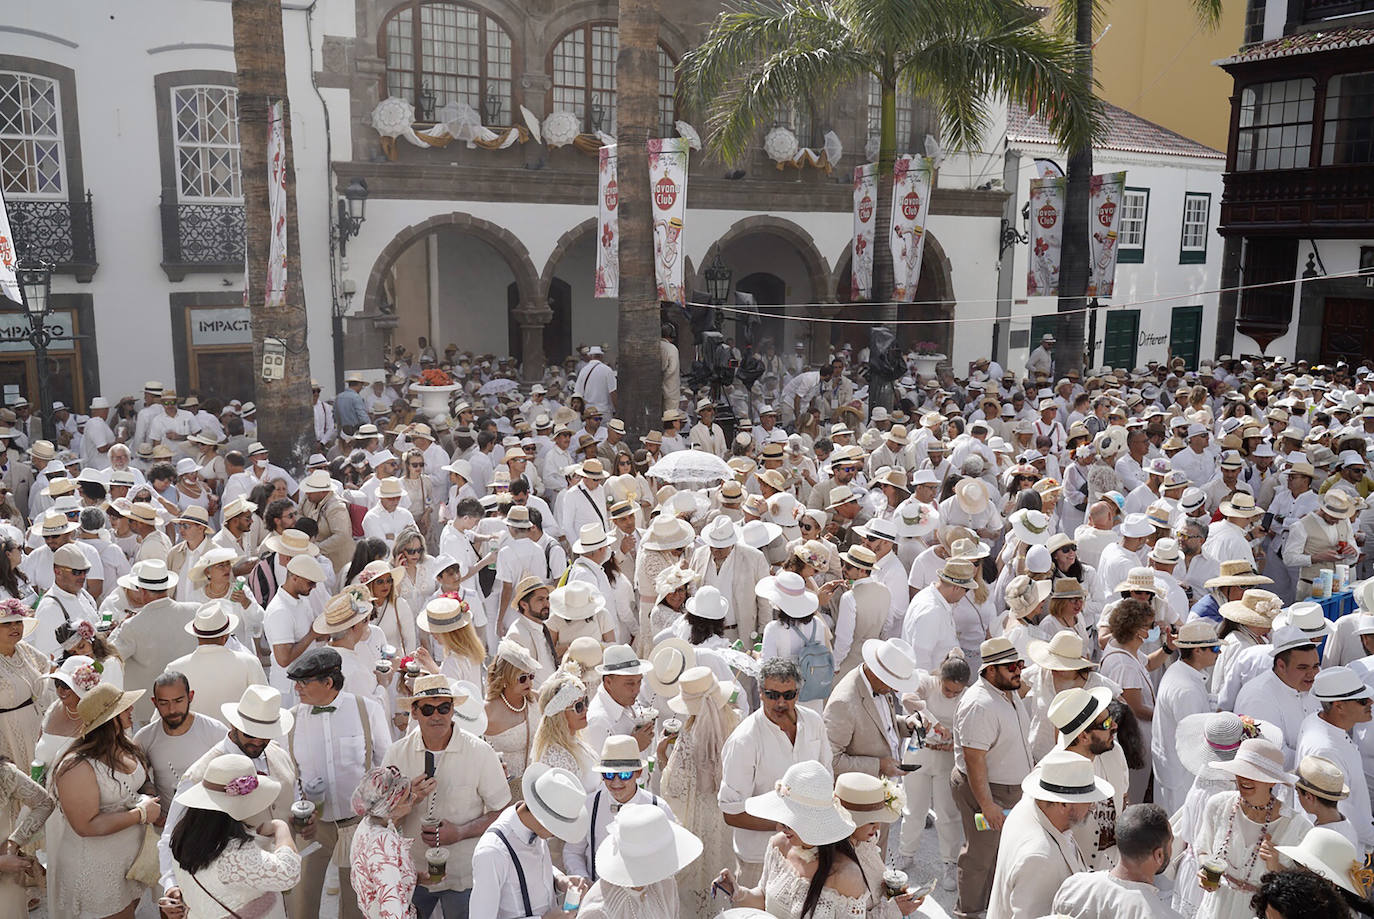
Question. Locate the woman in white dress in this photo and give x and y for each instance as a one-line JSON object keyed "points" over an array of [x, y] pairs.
{"points": [[390, 611], [105, 798], [449, 621], [222, 868], [410, 552], [18, 791], [558, 739], [671, 585], [691, 781], [1130, 623], [795, 623], [1240, 830], [22, 668], [512, 709], [810, 869], [61, 725], [212, 578], [873, 803]]}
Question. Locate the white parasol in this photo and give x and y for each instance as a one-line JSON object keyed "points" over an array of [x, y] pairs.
{"points": [[532, 122], [691, 466], [497, 387]]}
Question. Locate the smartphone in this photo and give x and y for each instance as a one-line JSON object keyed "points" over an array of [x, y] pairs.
{"points": [[922, 891], [1267, 522], [429, 764]]}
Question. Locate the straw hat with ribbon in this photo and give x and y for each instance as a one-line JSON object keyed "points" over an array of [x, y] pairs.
{"points": [[444, 614], [343, 611], [1030, 526], [1064, 652], [1258, 760], [232, 786], [290, 542], [213, 619], [1237, 573], [696, 685], [1212, 737], [672, 578], [1321, 777], [669, 660], [787, 591], [869, 798], [1066, 778], [1256, 609], [104, 703], [12, 610], [803, 800]]}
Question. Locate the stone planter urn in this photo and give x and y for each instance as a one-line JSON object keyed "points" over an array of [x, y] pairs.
{"points": [[433, 400]]}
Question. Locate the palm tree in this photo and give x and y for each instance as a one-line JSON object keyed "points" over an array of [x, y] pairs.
{"points": [[1080, 19], [285, 428], [763, 55], [640, 391]]}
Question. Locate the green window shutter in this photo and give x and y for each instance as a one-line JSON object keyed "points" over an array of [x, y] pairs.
{"points": [[1119, 345]]}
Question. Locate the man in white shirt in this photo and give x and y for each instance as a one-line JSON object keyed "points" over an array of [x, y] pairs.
{"points": [[1198, 461], [460, 784], [172, 427], [612, 708], [325, 430], [97, 438], [758, 752], [288, 624], [621, 766], [1182, 692], [530, 628], [152, 407], [734, 568], [218, 674], [337, 738], [1345, 703], [1229, 539], [706, 434], [1145, 843], [179, 735], [66, 601], [879, 535], [585, 502], [1283, 695], [596, 382], [518, 557], [386, 519], [929, 622], [1041, 359]]}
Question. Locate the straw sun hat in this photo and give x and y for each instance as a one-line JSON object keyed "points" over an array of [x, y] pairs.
{"points": [[803, 800]]}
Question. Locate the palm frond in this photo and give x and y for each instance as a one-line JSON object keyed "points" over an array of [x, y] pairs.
{"points": [[1208, 12]]}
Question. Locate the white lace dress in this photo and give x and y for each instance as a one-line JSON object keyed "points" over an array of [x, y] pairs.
{"points": [[784, 893], [86, 873], [245, 878], [693, 800], [513, 745]]}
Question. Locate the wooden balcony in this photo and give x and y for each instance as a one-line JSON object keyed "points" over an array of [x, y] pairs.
{"points": [[1322, 202]]}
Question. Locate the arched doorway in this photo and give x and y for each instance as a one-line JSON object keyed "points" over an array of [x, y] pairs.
{"points": [[934, 300], [568, 282], [446, 279]]}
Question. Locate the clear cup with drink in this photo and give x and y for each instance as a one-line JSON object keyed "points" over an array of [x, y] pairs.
{"points": [[1211, 870], [894, 883], [301, 812], [437, 859]]}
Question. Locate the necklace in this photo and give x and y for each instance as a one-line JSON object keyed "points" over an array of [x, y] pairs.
{"points": [[1268, 814], [523, 705], [71, 716]]}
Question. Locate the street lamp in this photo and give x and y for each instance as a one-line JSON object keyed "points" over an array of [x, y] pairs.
{"points": [[35, 284], [598, 112], [352, 212], [492, 107], [718, 277]]}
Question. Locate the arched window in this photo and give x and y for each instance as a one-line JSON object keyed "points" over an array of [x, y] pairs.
{"points": [[583, 71], [441, 52], [32, 164]]}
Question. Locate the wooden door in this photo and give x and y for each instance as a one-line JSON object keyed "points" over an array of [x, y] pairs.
{"points": [[1185, 334], [1347, 330], [1119, 342]]}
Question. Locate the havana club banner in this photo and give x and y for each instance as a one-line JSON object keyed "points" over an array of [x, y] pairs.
{"points": [[865, 211], [1046, 236], [668, 205], [911, 181], [9, 280], [1104, 222], [276, 199], [607, 226]]}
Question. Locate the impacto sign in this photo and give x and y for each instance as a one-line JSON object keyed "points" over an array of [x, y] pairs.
{"points": [[16, 326], [227, 326]]}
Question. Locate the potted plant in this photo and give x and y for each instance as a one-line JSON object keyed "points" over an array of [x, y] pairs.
{"points": [[928, 357], [433, 390]]}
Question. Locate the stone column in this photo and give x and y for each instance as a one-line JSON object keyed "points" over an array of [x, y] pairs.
{"points": [[533, 318], [818, 333]]}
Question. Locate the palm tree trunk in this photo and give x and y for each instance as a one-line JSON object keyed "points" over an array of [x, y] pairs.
{"points": [[285, 427], [882, 236], [640, 384], [1073, 265]]}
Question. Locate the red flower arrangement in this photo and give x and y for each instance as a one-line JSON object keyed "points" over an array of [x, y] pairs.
{"points": [[435, 377]]}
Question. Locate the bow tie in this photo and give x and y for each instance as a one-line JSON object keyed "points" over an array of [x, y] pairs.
{"points": [[321, 709]]}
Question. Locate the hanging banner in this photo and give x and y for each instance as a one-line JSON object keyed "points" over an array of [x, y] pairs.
{"points": [[276, 201], [1107, 192], [911, 181], [607, 226], [9, 261], [1046, 237], [865, 209], [668, 194]]}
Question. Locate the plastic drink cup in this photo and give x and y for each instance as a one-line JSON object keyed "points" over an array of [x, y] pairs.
{"points": [[1212, 870], [301, 812], [37, 769], [383, 667], [437, 858], [894, 882], [572, 899], [672, 727]]}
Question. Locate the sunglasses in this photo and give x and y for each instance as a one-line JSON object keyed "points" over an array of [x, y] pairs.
{"points": [[524, 678], [623, 776], [776, 694], [1014, 666], [1106, 724], [1071, 547], [580, 706], [443, 708], [416, 465], [412, 551]]}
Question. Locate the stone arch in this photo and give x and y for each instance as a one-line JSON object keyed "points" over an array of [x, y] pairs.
{"points": [[565, 242], [817, 270], [937, 283], [499, 238], [935, 258]]}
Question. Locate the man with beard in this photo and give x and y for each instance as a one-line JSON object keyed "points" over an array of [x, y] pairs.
{"points": [[256, 724], [992, 757], [1146, 844], [1084, 722], [530, 630], [1038, 854], [178, 737]]}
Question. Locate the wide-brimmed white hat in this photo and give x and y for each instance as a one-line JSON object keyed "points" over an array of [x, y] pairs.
{"points": [[915, 519], [869, 798], [1258, 760], [1067, 778], [1063, 652], [1030, 526], [971, 496], [803, 800], [644, 847], [667, 532], [591, 537], [1329, 854], [720, 533], [708, 603], [258, 713], [575, 602], [759, 533], [231, 785], [213, 619], [77, 673], [787, 591], [668, 661], [1075, 709], [557, 800], [621, 660], [892, 661], [1212, 737]]}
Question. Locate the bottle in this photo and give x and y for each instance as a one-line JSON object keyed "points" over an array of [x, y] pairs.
{"points": [[106, 621], [37, 769], [572, 899]]}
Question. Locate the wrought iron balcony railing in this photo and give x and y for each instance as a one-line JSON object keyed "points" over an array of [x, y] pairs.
{"points": [[201, 237], [60, 232]]}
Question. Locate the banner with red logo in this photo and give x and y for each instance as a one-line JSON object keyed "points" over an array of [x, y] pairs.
{"points": [[1103, 226], [276, 200], [865, 207], [9, 261], [668, 204], [911, 182], [607, 226], [1046, 235]]}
